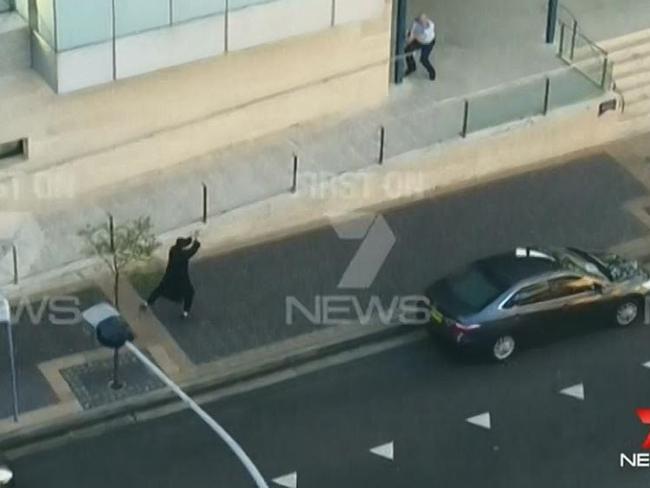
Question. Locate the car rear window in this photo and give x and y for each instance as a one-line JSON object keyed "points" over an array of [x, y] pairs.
{"points": [[473, 289]]}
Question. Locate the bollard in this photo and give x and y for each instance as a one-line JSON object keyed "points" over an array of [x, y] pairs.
{"points": [[205, 203], [463, 131], [547, 93], [382, 138], [14, 254], [573, 39], [294, 184]]}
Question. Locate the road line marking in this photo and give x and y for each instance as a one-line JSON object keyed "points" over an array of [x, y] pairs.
{"points": [[646, 365], [288, 480], [575, 391], [482, 420], [385, 450]]}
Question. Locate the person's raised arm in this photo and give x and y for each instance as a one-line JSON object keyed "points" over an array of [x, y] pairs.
{"points": [[194, 249]]}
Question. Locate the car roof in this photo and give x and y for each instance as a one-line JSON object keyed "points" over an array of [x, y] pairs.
{"points": [[520, 264]]}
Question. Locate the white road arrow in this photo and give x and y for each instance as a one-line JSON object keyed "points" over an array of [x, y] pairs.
{"points": [[575, 391], [385, 450], [482, 420], [288, 480], [646, 365]]}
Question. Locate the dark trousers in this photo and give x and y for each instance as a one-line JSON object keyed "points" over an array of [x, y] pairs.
{"points": [[188, 297], [425, 53]]}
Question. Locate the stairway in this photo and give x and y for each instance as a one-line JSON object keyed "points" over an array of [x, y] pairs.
{"points": [[631, 57]]}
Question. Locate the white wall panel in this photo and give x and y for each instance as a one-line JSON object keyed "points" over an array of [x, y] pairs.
{"points": [[84, 67], [43, 59], [170, 46], [357, 10], [276, 20]]}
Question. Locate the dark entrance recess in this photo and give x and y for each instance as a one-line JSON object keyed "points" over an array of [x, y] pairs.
{"points": [[13, 148]]}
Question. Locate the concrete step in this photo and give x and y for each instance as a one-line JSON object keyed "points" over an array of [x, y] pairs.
{"points": [[632, 52], [631, 66], [633, 80], [637, 108], [626, 41], [635, 95]]}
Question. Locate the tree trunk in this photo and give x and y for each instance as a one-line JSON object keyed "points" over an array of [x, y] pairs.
{"points": [[116, 290]]}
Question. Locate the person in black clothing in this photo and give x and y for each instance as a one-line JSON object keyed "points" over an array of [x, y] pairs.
{"points": [[175, 284]]}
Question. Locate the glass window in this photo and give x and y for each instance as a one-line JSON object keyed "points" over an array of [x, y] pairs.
{"points": [[44, 21], [83, 23], [132, 16], [530, 294], [472, 290], [183, 10], [22, 8], [568, 286]]}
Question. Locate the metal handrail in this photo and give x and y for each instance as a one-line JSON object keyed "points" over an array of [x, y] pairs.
{"points": [[576, 26]]}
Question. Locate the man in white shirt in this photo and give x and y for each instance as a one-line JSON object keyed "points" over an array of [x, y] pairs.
{"points": [[422, 37]]}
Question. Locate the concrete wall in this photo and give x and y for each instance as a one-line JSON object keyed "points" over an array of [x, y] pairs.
{"points": [[108, 134], [163, 48], [14, 43], [153, 36]]}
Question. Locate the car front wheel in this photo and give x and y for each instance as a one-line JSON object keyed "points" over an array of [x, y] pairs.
{"points": [[627, 313], [503, 348]]}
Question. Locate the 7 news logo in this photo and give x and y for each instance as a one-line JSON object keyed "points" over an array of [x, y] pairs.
{"points": [[639, 459]]}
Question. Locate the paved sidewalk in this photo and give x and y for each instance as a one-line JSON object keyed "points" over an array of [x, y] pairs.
{"points": [[47, 238]]}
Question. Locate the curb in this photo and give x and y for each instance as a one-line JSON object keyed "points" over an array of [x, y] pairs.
{"points": [[128, 411]]}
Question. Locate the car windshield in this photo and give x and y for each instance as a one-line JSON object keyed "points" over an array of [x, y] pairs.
{"points": [[472, 289], [576, 260]]}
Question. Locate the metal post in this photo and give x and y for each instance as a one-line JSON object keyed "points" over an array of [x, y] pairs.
{"points": [[400, 41], [561, 47], [547, 92], [382, 138], [463, 131], [573, 38], [114, 40], [205, 203], [603, 80], [551, 19], [5, 319], [12, 361], [294, 184], [14, 254]]}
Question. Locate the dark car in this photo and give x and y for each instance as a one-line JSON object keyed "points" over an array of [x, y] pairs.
{"points": [[519, 297], [6, 475]]}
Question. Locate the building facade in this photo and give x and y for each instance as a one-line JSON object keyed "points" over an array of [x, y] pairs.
{"points": [[109, 89]]}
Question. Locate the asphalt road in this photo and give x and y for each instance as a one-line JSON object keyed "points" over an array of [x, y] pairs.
{"points": [[321, 425]]}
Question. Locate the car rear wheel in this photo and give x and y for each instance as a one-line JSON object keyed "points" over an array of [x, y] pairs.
{"points": [[627, 313], [503, 348]]}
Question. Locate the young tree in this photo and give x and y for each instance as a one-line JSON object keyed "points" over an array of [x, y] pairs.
{"points": [[120, 246]]}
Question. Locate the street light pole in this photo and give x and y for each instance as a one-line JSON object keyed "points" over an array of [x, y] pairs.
{"points": [[5, 318]]}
